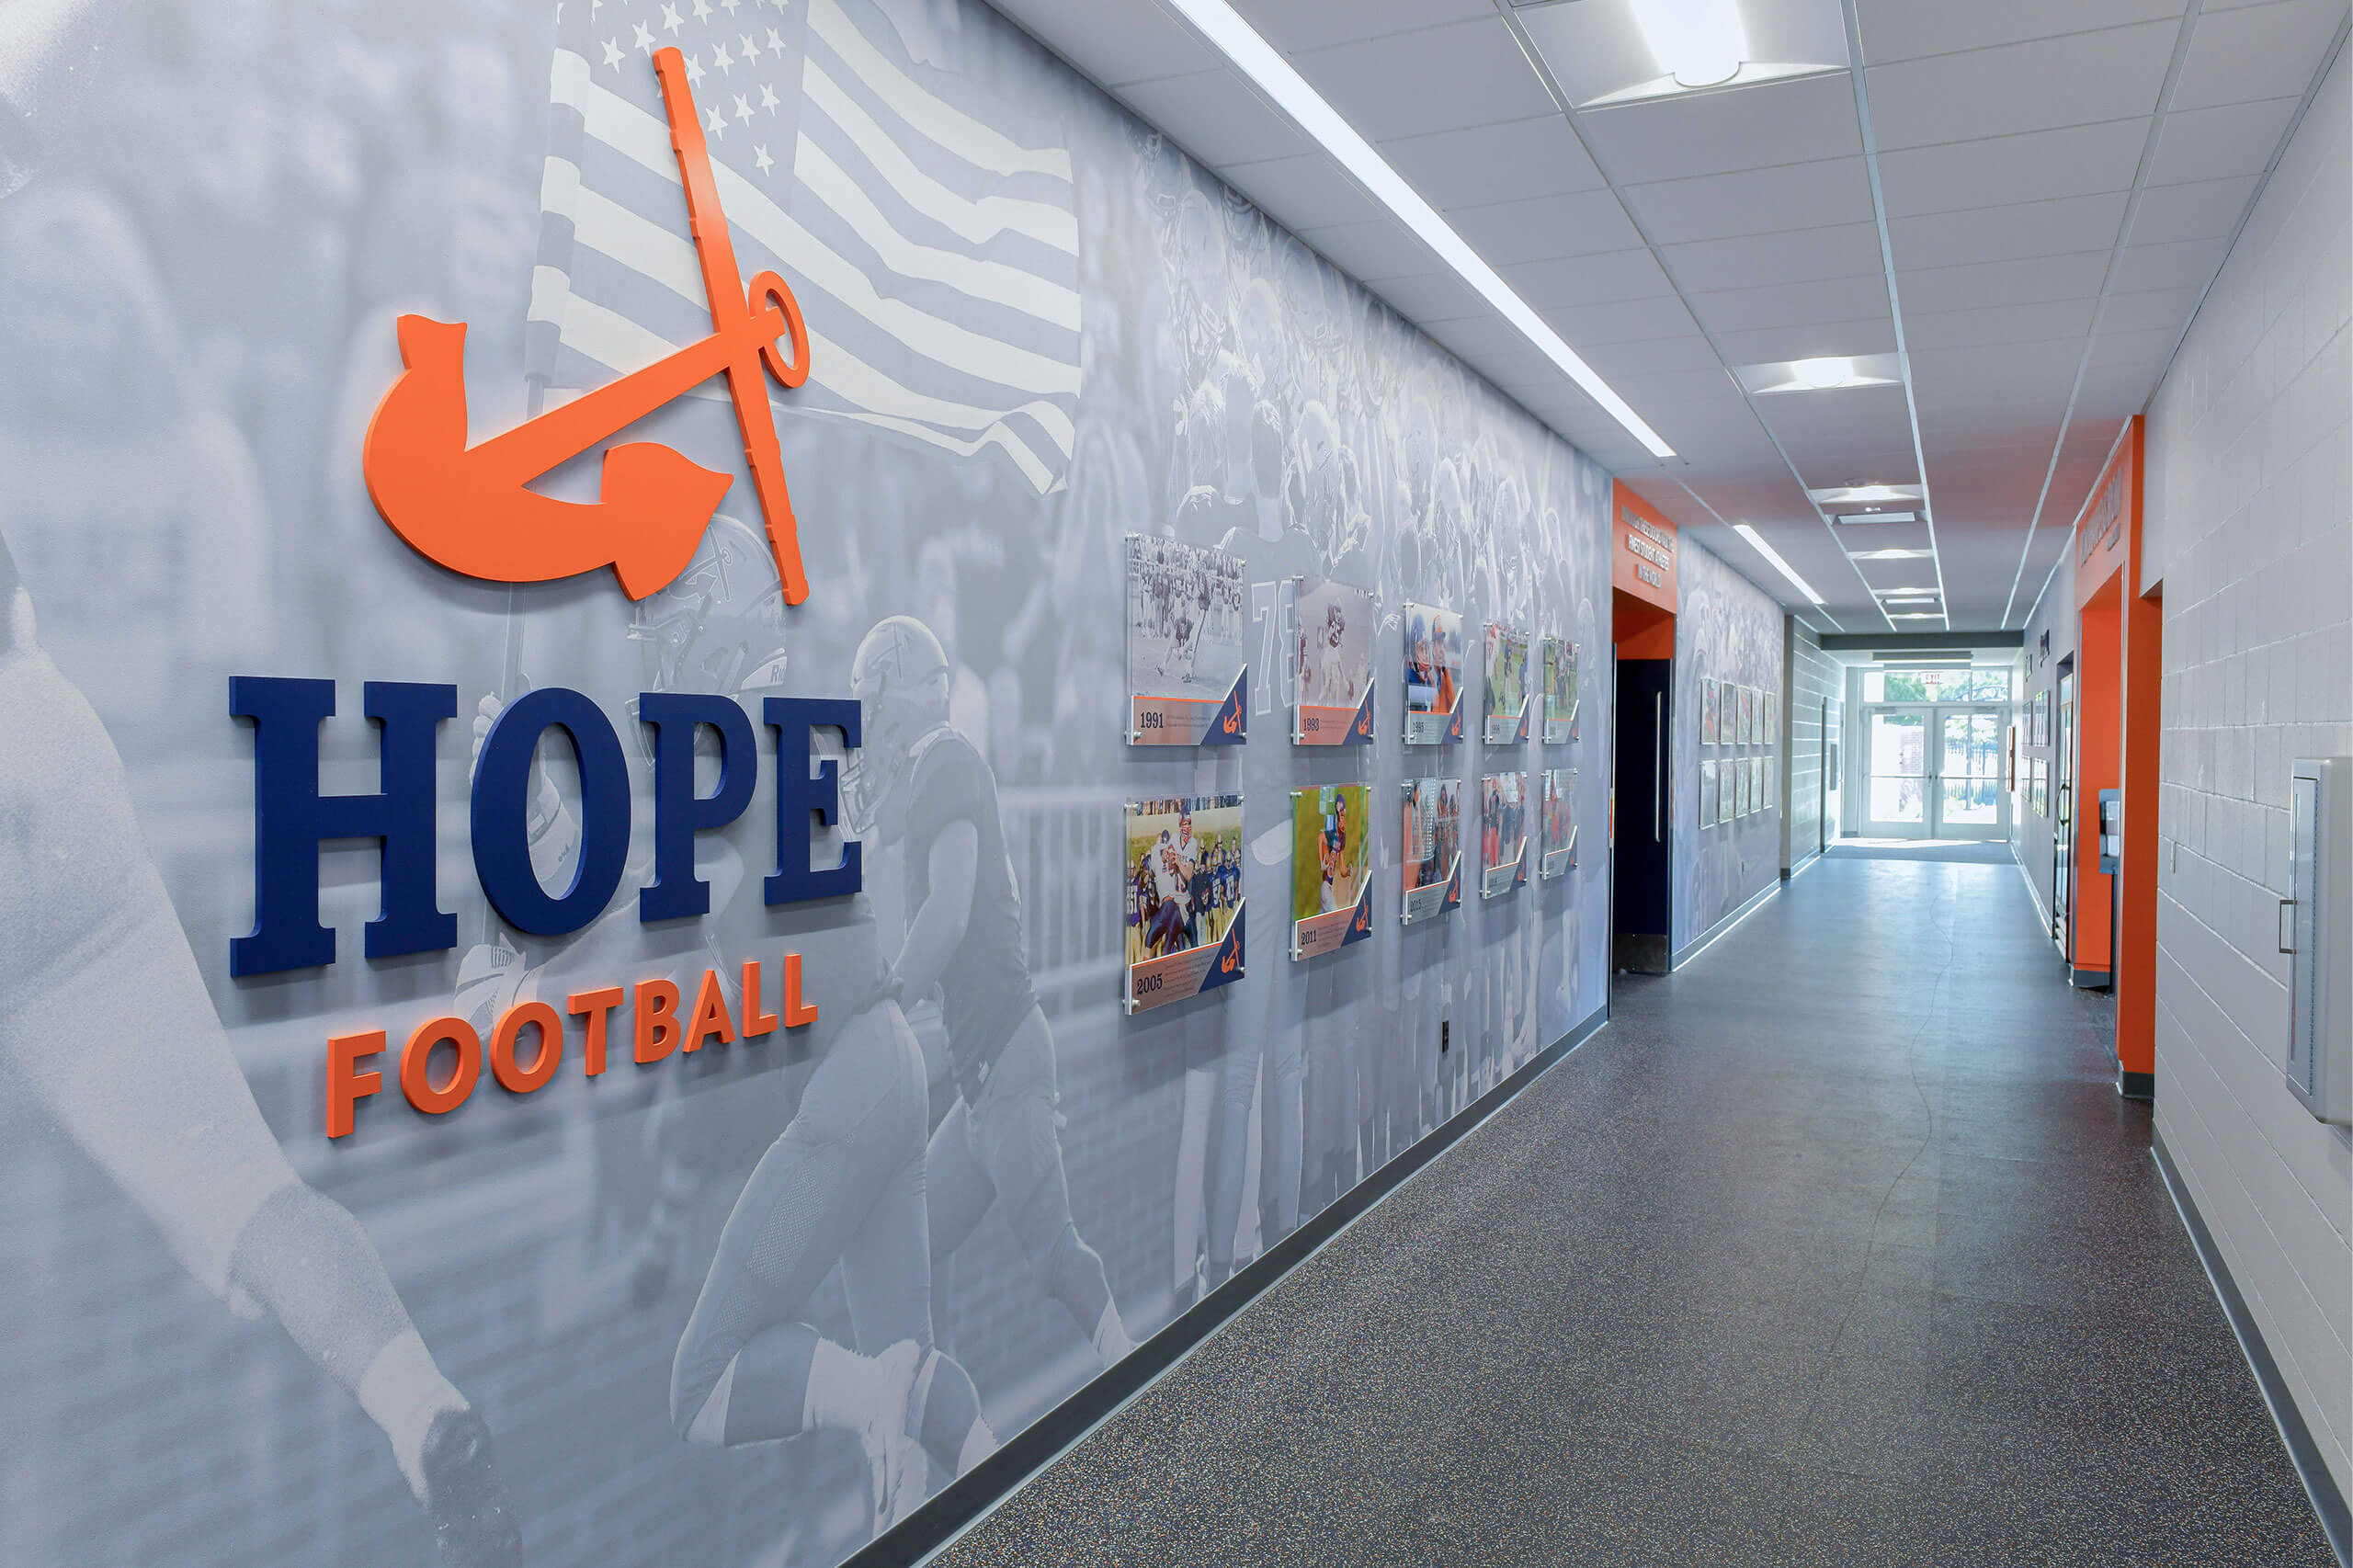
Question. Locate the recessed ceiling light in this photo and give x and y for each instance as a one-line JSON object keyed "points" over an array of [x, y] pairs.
{"points": [[1907, 593], [1889, 554], [1824, 373], [1917, 615], [1769, 553], [1697, 42], [1858, 494], [1258, 60]]}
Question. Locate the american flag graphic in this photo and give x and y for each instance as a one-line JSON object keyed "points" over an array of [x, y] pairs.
{"points": [[928, 231]]}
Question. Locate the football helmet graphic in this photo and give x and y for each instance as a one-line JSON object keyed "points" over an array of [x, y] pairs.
{"points": [[899, 676], [719, 626]]}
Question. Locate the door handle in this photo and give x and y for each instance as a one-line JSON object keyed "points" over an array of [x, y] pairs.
{"points": [[2286, 947], [1658, 778]]}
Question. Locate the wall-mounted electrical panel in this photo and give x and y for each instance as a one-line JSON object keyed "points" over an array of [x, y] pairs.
{"points": [[2316, 923]]}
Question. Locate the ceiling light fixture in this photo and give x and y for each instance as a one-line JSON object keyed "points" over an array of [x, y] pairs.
{"points": [[1258, 60], [1769, 553], [1697, 42], [1889, 554], [1930, 593], [1824, 374], [1917, 615]]}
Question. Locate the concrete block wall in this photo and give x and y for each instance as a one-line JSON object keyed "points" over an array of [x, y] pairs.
{"points": [[1814, 679], [2250, 475]]}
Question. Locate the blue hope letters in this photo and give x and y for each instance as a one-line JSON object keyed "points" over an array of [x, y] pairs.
{"points": [[293, 820]]}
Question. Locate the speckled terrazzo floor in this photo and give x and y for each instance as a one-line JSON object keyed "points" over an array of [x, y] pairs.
{"points": [[1836, 1246]]}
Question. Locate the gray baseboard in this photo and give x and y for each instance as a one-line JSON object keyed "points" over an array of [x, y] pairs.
{"points": [[2319, 1484]]}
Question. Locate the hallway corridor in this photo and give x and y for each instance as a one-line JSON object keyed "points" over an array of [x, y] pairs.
{"points": [[1836, 1246]]}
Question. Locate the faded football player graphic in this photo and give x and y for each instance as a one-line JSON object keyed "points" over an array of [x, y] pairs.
{"points": [[921, 790], [842, 1185], [146, 1085]]}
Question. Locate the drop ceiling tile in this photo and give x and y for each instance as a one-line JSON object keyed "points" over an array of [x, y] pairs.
{"points": [[2118, 389], [1902, 29], [1797, 122], [2040, 165], [1588, 280], [1791, 305], [2009, 231], [1846, 250], [2182, 264], [1114, 42], [2016, 89], [1650, 357], [2203, 210], [1307, 191], [1789, 196], [1379, 248], [1580, 223], [1493, 348], [1430, 296], [1874, 335], [1507, 161], [1217, 116], [2214, 143], [2258, 52], [2023, 282], [2037, 323], [1293, 25], [1628, 321], [2159, 311], [1440, 78]]}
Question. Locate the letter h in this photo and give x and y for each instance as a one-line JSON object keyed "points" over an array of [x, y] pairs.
{"points": [[292, 819]]}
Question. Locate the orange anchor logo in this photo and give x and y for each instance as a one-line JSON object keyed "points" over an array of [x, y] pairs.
{"points": [[469, 507]]}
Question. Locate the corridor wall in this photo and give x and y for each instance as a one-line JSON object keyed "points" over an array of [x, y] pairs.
{"points": [[1036, 327], [2250, 475], [1817, 686], [2050, 641], [1727, 630]]}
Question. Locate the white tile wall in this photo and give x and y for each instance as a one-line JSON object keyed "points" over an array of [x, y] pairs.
{"points": [[2250, 508]]}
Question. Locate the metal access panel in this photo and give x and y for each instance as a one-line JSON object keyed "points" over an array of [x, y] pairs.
{"points": [[2317, 924]]}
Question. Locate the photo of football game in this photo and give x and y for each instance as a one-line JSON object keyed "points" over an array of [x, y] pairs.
{"points": [[1334, 644], [1556, 814], [1506, 673], [1433, 671], [1185, 613], [1503, 830], [1331, 846], [1432, 840], [1560, 686], [1184, 867]]}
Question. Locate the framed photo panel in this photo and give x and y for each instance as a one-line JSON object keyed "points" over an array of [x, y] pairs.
{"points": [[1559, 690], [1433, 675], [1331, 885], [1432, 841], [1188, 680], [1334, 664], [1557, 815], [1709, 692], [1503, 832], [1507, 685], [1708, 792], [1183, 898]]}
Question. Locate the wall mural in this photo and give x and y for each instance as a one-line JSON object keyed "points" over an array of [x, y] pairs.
{"points": [[1727, 629], [830, 1196]]}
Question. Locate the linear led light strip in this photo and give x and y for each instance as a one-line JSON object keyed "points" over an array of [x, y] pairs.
{"points": [[1783, 567], [1256, 58]]}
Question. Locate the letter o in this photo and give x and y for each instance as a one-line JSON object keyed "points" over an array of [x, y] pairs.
{"points": [[501, 814], [502, 1066], [416, 1066]]}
